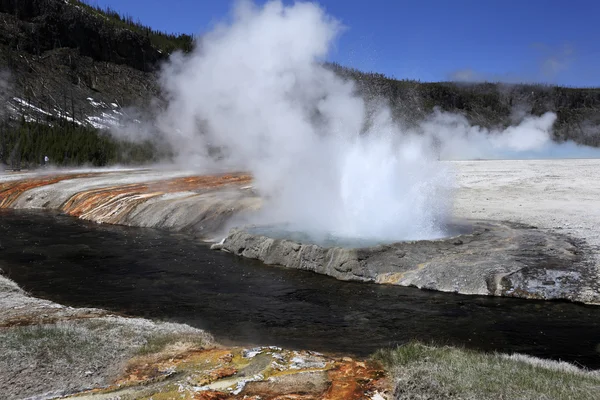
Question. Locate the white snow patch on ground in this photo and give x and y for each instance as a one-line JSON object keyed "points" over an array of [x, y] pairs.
{"points": [[109, 118], [65, 115], [31, 106], [97, 122], [97, 104], [104, 120]]}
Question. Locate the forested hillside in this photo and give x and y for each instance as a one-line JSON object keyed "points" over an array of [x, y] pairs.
{"points": [[70, 70], [67, 71], [489, 104]]}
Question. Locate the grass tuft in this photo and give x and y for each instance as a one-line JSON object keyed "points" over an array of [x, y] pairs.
{"points": [[159, 342], [429, 372]]}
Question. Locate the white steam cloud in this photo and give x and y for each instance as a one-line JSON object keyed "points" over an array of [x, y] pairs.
{"points": [[254, 96], [256, 90], [460, 140], [456, 139]]}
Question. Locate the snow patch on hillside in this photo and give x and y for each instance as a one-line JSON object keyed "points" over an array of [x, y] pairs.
{"points": [[107, 116]]}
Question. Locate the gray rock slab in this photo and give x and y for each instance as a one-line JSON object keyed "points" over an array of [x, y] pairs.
{"points": [[495, 258]]}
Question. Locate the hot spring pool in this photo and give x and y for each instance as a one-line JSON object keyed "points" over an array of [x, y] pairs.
{"points": [[331, 239]]}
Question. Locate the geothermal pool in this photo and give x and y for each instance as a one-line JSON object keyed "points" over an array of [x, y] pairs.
{"points": [[150, 273], [331, 239]]}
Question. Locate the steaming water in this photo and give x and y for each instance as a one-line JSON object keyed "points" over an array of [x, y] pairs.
{"points": [[323, 239], [323, 155], [331, 239], [149, 273]]}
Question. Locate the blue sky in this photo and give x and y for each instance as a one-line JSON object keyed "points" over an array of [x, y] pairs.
{"points": [[551, 41]]}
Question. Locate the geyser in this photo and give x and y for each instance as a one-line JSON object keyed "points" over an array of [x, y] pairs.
{"points": [[254, 95], [330, 240], [256, 89]]}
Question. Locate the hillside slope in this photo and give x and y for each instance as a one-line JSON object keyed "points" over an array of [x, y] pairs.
{"points": [[67, 71], [64, 63], [61, 54], [489, 104]]}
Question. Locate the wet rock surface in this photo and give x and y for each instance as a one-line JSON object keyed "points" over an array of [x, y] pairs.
{"points": [[173, 200], [238, 373], [495, 258]]}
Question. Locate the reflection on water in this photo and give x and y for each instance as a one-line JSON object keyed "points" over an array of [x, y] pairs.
{"points": [[145, 272]]}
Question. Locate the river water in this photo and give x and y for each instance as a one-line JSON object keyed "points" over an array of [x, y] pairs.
{"points": [[172, 277]]}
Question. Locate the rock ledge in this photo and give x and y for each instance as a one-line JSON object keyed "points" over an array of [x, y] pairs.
{"points": [[495, 258]]}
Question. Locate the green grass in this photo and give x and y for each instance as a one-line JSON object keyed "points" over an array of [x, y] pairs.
{"points": [[158, 342], [428, 372], [46, 344]]}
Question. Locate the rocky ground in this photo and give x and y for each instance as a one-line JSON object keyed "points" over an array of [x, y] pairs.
{"points": [[172, 200], [553, 195], [493, 258], [560, 260]]}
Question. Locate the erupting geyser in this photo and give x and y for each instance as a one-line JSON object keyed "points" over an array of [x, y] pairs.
{"points": [[330, 239], [255, 95], [324, 160]]}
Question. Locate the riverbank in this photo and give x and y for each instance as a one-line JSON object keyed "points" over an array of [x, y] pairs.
{"points": [[441, 372], [556, 196], [49, 351], [63, 351], [152, 273]]}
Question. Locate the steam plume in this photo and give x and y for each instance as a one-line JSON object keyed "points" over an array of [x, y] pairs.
{"points": [[256, 90], [254, 96]]}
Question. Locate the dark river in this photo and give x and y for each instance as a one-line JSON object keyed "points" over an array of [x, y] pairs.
{"points": [[172, 277]]}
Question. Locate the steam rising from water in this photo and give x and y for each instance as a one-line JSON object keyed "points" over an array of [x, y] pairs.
{"points": [[254, 96], [255, 89]]}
